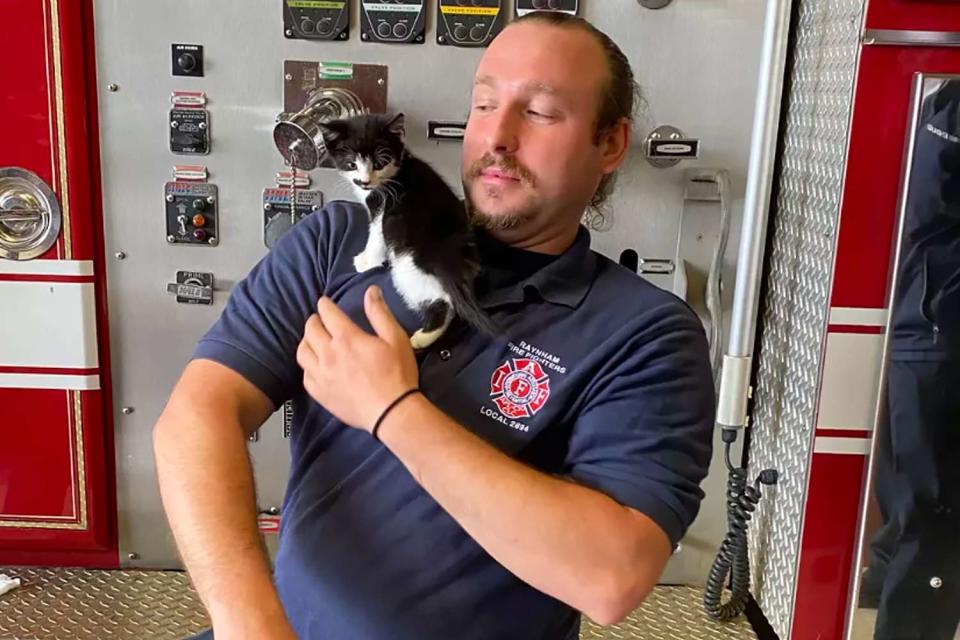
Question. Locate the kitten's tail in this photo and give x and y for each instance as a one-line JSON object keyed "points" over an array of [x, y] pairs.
{"points": [[466, 307]]}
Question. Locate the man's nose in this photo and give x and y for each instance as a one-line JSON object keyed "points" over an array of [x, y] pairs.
{"points": [[502, 133]]}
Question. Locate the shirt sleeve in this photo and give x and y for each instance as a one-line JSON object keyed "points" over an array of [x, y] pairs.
{"points": [[261, 326], [645, 436]]}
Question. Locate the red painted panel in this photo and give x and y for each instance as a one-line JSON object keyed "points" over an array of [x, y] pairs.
{"points": [[97, 405], [826, 431], [101, 487], [36, 470], [28, 123], [88, 559], [95, 547], [869, 208], [855, 328], [29, 277], [24, 101], [55, 371], [921, 15], [76, 68], [828, 546]]}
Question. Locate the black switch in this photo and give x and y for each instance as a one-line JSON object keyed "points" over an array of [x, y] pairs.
{"points": [[187, 59]]}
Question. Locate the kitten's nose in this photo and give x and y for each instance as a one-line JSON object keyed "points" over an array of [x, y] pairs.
{"points": [[361, 183]]}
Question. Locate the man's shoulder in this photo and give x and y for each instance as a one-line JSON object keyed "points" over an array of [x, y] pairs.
{"points": [[631, 298], [338, 217], [322, 235]]}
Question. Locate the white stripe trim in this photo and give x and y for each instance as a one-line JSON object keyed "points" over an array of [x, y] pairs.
{"points": [[47, 267], [48, 381], [48, 324], [858, 316], [850, 380], [854, 446]]}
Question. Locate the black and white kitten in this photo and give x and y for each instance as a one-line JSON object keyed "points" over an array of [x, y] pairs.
{"points": [[417, 223]]}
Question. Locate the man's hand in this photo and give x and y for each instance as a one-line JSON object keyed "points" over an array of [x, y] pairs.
{"points": [[352, 374]]}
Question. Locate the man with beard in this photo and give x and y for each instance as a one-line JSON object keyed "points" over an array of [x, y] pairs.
{"points": [[489, 487]]}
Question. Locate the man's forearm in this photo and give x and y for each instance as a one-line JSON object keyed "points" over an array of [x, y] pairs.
{"points": [[566, 540], [207, 487]]}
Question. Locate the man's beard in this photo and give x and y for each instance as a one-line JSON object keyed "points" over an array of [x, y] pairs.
{"points": [[506, 220]]}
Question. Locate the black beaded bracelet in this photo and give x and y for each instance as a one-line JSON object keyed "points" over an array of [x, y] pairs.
{"points": [[390, 406]]}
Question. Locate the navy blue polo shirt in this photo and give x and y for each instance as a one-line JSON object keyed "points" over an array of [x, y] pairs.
{"points": [[599, 377]]}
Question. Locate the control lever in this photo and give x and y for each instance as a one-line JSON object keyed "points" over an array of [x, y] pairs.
{"points": [[192, 287], [191, 292], [8, 215]]}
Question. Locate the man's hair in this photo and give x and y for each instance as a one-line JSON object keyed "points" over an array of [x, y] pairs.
{"points": [[620, 94]]}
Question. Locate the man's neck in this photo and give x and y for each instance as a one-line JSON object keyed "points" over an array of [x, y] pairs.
{"points": [[553, 241]]}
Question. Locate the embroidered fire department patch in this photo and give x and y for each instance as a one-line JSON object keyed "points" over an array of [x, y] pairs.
{"points": [[520, 387]]}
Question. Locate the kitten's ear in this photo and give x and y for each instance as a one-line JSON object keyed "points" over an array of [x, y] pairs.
{"points": [[397, 126]]}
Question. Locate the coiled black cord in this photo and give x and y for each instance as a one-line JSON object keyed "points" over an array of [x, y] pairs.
{"points": [[733, 559]]}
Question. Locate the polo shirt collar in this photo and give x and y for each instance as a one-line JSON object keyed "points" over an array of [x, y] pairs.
{"points": [[564, 281]]}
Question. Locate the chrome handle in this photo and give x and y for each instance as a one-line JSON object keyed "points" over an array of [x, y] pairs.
{"points": [[21, 215]]}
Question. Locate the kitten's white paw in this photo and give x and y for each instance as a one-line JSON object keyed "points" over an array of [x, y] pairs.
{"points": [[423, 339], [362, 262]]}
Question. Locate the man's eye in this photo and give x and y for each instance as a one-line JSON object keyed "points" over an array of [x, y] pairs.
{"points": [[540, 114], [482, 107]]}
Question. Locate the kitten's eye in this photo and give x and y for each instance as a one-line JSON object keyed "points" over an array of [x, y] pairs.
{"points": [[351, 166], [379, 165]]}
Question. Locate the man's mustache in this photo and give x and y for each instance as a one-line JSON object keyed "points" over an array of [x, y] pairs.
{"points": [[506, 164]]}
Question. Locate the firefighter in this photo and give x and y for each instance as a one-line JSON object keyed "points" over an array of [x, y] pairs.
{"points": [[515, 481], [914, 573]]}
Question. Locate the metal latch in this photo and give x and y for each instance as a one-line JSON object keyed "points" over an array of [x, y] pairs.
{"points": [[30, 216], [445, 130], [191, 293], [9, 215], [656, 265], [666, 146], [192, 287]]}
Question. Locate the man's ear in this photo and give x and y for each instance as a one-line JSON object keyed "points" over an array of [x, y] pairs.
{"points": [[397, 126], [614, 145]]}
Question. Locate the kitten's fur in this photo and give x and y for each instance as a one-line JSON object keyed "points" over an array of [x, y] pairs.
{"points": [[417, 223]]}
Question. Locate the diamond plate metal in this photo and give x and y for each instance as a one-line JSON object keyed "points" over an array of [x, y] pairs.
{"points": [[794, 311], [669, 613], [76, 604], [80, 604]]}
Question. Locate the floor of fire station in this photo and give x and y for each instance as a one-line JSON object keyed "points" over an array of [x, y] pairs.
{"points": [[76, 604]]}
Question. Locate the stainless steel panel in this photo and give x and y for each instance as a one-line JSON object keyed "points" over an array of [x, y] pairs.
{"points": [[697, 66], [794, 311]]}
